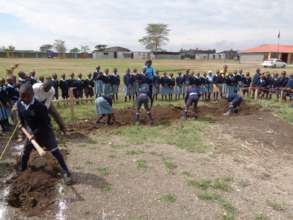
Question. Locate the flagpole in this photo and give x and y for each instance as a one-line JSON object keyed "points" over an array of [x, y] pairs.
{"points": [[278, 48]]}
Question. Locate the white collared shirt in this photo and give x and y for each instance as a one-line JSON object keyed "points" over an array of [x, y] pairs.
{"points": [[42, 96], [26, 106]]}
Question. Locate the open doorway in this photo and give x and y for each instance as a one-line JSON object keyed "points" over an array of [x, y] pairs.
{"points": [[284, 57]]}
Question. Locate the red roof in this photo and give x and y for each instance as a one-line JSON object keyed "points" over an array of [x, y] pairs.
{"points": [[270, 48]]}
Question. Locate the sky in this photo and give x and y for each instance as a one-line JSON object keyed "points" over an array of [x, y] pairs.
{"points": [[205, 24]]}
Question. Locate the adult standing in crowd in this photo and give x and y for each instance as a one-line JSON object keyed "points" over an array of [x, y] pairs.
{"points": [[149, 72], [44, 93]]}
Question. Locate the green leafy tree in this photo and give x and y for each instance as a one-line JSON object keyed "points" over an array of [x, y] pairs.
{"points": [[84, 48], [100, 47], [156, 36], [59, 46], [75, 50]]}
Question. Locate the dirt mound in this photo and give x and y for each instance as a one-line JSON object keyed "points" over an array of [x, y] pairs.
{"points": [[162, 115], [216, 110], [33, 191]]}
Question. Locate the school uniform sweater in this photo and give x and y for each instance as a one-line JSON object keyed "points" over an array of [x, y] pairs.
{"points": [[35, 116]]}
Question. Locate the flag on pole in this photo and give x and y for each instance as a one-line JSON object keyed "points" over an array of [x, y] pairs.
{"points": [[279, 34]]}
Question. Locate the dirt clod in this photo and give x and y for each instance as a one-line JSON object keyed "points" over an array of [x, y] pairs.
{"points": [[33, 190]]}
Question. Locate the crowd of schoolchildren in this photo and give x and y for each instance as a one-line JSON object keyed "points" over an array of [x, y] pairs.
{"points": [[163, 86]]}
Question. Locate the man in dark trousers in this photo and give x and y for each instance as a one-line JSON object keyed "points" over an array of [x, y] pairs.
{"points": [[34, 116]]}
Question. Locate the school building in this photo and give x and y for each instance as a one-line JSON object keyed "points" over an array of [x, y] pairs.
{"points": [[198, 54], [113, 53], [267, 51]]}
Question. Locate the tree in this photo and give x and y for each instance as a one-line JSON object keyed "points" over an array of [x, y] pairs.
{"points": [[156, 36], [45, 48], [74, 50], [84, 48], [11, 48], [101, 47], [59, 46]]}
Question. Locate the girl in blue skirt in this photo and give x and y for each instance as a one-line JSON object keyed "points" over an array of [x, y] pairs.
{"points": [[164, 86], [107, 87], [104, 108]]}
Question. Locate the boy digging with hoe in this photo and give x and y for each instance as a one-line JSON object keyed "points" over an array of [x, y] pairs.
{"points": [[34, 116]]}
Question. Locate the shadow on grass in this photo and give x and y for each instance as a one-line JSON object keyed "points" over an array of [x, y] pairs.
{"points": [[91, 180]]}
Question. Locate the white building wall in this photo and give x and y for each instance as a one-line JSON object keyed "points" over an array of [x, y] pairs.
{"points": [[124, 55], [141, 55], [251, 57], [103, 55]]}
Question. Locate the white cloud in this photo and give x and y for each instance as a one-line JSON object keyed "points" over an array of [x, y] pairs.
{"points": [[201, 23]]}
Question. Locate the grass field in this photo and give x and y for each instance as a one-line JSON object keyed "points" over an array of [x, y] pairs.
{"points": [[85, 66]]}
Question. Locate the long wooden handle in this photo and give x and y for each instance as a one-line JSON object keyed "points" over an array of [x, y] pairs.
{"points": [[39, 149]]}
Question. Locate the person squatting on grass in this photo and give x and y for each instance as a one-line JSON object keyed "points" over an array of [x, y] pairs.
{"points": [[34, 116], [104, 108]]}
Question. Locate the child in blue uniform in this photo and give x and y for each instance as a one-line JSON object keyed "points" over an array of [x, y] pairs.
{"points": [[186, 80], [179, 86], [33, 78], [116, 83], [64, 86], [79, 84], [34, 116], [171, 86], [143, 99], [55, 84], [12, 91], [149, 72], [88, 86], [255, 82], [216, 85], [156, 86], [4, 107], [128, 85], [97, 78], [104, 108], [234, 103], [22, 78], [191, 99], [246, 81], [164, 86], [209, 86], [289, 88]]}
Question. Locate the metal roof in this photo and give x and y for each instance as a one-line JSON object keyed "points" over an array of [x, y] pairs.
{"points": [[267, 48]]}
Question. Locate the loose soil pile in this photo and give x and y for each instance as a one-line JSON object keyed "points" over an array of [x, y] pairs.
{"points": [[33, 191], [162, 115]]}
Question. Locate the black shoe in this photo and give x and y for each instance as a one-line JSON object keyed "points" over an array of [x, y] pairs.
{"points": [[67, 179], [110, 123], [100, 122]]}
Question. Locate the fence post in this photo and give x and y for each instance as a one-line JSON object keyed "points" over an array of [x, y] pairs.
{"points": [[256, 94], [281, 95], [71, 102]]}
